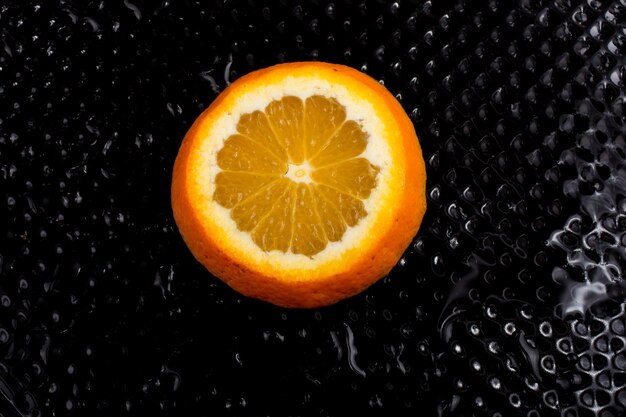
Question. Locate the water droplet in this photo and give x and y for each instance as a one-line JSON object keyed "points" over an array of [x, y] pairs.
{"points": [[495, 383]]}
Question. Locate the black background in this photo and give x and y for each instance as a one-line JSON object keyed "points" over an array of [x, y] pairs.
{"points": [[104, 312]]}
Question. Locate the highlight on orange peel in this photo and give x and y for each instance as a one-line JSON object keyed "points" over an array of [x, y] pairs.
{"points": [[301, 185]]}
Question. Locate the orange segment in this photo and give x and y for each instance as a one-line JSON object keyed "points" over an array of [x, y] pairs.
{"points": [[256, 126], [241, 153], [286, 117], [332, 221], [274, 231], [314, 198], [348, 142], [356, 177], [233, 187], [308, 234], [250, 211], [322, 117], [352, 209]]}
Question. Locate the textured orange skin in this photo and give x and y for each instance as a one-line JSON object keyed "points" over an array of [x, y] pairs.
{"points": [[327, 289]]}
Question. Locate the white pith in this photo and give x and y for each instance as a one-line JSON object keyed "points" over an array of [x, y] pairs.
{"points": [[299, 172]]}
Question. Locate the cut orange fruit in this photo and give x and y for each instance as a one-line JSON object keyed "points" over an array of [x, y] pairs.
{"points": [[301, 185]]}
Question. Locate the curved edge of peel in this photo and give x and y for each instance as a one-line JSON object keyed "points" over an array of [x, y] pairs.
{"points": [[371, 265]]}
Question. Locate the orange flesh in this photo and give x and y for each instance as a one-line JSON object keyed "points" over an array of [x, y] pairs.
{"points": [[279, 213]]}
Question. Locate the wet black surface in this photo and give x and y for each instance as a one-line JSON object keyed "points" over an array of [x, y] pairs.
{"points": [[510, 302]]}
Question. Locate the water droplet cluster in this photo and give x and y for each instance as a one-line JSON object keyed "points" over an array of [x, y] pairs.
{"points": [[510, 301]]}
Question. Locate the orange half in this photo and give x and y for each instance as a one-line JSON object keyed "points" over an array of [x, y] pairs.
{"points": [[302, 184]]}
